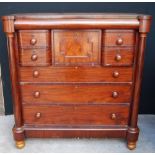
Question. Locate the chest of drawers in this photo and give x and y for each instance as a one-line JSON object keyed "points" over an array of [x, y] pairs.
{"points": [[76, 75]]}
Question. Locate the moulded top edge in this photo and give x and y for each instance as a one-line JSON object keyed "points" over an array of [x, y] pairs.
{"points": [[77, 16]]}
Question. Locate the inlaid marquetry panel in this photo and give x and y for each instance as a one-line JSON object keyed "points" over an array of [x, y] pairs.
{"points": [[76, 47]]}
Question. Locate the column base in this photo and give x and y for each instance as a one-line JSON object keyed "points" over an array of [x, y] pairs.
{"points": [[131, 145], [20, 144], [132, 137], [19, 137]]}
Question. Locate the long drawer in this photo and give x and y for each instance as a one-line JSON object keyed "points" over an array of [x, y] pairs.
{"points": [[76, 114], [75, 74], [79, 93]]}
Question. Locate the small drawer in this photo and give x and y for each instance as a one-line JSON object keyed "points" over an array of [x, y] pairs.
{"points": [[119, 38], [35, 57], [34, 38], [76, 114], [117, 56], [76, 93]]}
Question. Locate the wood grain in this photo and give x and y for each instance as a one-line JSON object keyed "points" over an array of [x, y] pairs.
{"points": [[76, 115], [75, 74], [42, 38], [111, 132], [109, 55], [76, 47], [76, 94], [43, 57], [110, 37]]}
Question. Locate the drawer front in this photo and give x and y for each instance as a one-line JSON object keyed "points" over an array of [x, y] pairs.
{"points": [[117, 56], [80, 93], [34, 38], [36, 57], [119, 38], [75, 74], [76, 47], [76, 114]]}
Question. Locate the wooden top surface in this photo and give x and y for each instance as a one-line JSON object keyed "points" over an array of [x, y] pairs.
{"points": [[76, 16]]}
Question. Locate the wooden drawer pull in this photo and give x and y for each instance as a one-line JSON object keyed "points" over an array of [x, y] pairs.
{"points": [[113, 116], [118, 57], [115, 74], [33, 41], [119, 41], [34, 57], [35, 74], [114, 94], [37, 94], [38, 115]]}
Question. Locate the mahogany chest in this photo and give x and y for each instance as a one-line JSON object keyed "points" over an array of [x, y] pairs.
{"points": [[76, 75]]}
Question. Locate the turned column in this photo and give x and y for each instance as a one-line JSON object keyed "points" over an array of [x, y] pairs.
{"points": [[18, 131], [133, 131]]}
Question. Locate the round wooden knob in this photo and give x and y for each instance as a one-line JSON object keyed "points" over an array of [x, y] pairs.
{"points": [[35, 74], [113, 116], [34, 57], [116, 74], [37, 94], [38, 115], [76, 87], [114, 94], [119, 41], [118, 57], [33, 41]]}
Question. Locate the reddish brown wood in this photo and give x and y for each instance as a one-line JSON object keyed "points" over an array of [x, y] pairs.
{"points": [[18, 131], [119, 38], [117, 56], [76, 132], [34, 39], [14, 77], [83, 114], [35, 57], [138, 78], [76, 94], [133, 131], [76, 75], [76, 47]]}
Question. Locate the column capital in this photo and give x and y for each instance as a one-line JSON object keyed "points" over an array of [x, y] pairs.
{"points": [[8, 24], [145, 23]]}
